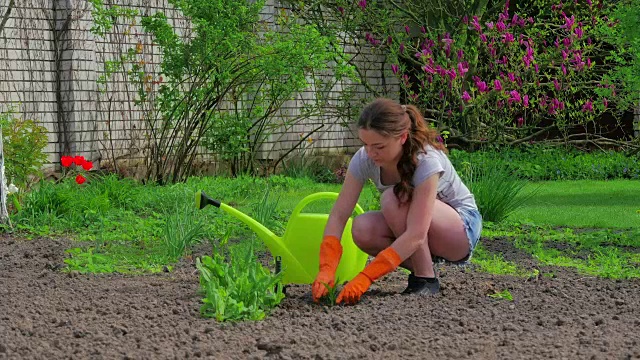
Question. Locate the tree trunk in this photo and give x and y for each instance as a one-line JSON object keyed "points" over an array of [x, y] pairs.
{"points": [[636, 121], [4, 215]]}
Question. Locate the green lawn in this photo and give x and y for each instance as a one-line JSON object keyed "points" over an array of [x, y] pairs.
{"points": [[587, 203]]}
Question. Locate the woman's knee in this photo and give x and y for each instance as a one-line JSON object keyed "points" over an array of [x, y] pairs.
{"points": [[394, 214], [361, 231], [370, 233]]}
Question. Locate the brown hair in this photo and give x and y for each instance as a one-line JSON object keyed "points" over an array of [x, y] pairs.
{"points": [[389, 118]]}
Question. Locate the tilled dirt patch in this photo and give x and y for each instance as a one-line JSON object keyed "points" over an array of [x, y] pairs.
{"points": [[45, 313]]}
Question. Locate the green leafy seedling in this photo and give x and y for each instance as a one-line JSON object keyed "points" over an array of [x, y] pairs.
{"points": [[504, 294], [332, 293]]}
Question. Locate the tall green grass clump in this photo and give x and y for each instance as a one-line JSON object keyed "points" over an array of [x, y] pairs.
{"points": [[181, 231], [498, 192]]}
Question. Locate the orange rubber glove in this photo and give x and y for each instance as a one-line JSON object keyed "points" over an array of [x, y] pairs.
{"points": [[330, 254], [386, 261]]}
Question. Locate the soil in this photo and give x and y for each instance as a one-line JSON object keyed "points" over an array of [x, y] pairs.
{"points": [[46, 313]]}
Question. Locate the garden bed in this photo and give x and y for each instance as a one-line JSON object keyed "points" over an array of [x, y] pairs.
{"points": [[47, 313]]}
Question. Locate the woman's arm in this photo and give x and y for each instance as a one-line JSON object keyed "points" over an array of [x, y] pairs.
{"points": [[344, 205], [418, 218]]}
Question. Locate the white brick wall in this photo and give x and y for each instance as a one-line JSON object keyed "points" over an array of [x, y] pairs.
{"points": [[101, 124]]}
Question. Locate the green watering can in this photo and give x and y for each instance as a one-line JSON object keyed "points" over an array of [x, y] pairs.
{"points": [[299, 248]]}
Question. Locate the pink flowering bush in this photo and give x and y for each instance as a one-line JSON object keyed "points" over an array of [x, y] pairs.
{"points": [[498, 77], [521, 78]]}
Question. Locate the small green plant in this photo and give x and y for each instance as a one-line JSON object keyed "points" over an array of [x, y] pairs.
{"points": [[504, 295], [88, 261], [332, 293], [237, 288]]}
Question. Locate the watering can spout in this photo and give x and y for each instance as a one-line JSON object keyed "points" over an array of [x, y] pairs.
{"points": [[262, 231]]}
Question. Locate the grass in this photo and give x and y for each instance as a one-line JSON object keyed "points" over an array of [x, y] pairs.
{"points": [[123, 226], [583, 203]]}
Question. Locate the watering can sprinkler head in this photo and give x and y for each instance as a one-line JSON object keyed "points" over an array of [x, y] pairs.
{"points": [[203, 200]]}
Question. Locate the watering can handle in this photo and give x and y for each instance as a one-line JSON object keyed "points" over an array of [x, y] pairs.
{"points": [[320, 196]]}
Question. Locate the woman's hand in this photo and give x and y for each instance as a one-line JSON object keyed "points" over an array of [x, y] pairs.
{"points": [[330, 254]]}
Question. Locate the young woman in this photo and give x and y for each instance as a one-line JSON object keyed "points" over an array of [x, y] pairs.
{"points": [[426, 210]]}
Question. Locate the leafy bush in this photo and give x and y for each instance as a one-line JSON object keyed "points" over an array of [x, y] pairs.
{"points": [[237, 289], [544, 163], [23, 145]]}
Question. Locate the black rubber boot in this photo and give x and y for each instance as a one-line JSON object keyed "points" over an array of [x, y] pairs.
{"points": [[422, 286]]}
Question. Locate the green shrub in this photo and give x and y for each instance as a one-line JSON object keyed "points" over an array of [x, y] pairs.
{"points": [[538, 163], [23, 145]]}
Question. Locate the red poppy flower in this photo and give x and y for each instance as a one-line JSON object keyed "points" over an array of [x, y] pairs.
{"points": [[79, 160], [87, 165], [80, 179], [66, 161]]}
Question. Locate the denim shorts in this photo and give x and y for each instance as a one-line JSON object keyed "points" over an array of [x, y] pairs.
{"points": [[472, 221], [473, 225]]}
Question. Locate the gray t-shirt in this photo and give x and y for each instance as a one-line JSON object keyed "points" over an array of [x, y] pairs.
{"points": [[451, 189]]}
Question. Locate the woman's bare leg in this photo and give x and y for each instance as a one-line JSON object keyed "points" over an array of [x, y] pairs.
{"points": [[446, 237]]}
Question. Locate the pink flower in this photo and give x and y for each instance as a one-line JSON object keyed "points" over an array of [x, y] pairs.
{"points": [[605, 102], [394, 69], [536, 67], [362, 4], [452, 74], [525, 101], [482, 86], [463, 68], [490, 25], [465, 96], [476, 24], [579, 32], [564, 69], [428, 69], [568, 22], [520, 122], [556, 84], [460, 54], [497, 85], [508, 38], [512, 77], [588, 106], [515, 96], [401, 49], [406, 29], [483, 37], [341, 9]]}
